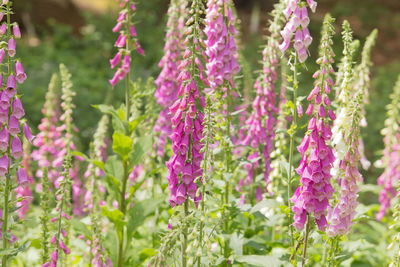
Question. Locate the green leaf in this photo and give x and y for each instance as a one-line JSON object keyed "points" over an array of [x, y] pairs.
{"points": [[265, 203], [117, 122], [262, 261], [80, 227], [114, 167], [136, 155], [133, 124], [115, 216], [122, 145], [80, 154], [98, 164], [140, 211], [236, 242], [147, 253]]}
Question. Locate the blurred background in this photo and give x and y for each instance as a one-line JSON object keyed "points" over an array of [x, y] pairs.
{"points": [[78, 34]]}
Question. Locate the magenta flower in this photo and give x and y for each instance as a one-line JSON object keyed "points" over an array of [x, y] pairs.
{"points": [[187, 124], [221, 49], [11, 47], [19, 72], [312, 196], [389, 178], [13, 126], [124, 25], [22, 177], [16, 31], [2, 54], [260, 125], [297, 23], [167, 81], [4, 163], [3, 29], [18, 110], [4, 136], [16, 147]]}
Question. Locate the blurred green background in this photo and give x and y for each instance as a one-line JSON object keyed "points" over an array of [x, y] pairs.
{"points": [[78, 34]]}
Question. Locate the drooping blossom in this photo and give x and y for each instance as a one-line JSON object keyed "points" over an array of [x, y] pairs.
{"points": [[11, 114], [65, 181], [47, 142], [296, 14], [221, 50], [167, 82], [391, 153], [126, 42], [187, 118], [362, 82], [262, 121], [346, 141], [312, 196], [23, 190]]}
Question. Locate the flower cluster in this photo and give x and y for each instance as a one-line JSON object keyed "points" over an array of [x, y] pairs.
{"points": [[187, 119], [167, 85], [23, 191], [312, 196], [261, 123], [341, 216], [391, 153], [345, 94], [362, 83], [222, 65], [93, 195], [48, 142], [346, 141], [51, 143], [127, 33], [297, 24], [61, 221], [100, 144], [64, 181], [11, 116]]}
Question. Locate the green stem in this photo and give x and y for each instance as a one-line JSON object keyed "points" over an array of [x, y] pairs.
{"points": [[122, 208], [122, 204], [203, 186], [228, 155], [184, 231], [303, 261], [7, 185], [5, 220], [291, 150]]}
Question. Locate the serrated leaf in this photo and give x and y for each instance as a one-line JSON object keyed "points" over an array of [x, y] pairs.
{"points": [[117, 122], [262, 261], [122, 145], [115, 216], [114, 167]]}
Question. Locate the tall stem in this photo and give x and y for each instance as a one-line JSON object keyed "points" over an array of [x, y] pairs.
{"points": [[122, 204], [203, 186], [5, 220], [291, 148], [7, 185], [184, 243], [303, 261], [228, 155]]}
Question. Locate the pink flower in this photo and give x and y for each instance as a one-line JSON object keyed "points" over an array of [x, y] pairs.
{"points": [[4, 163], [16, 31], [16, 147], [18, 110], [22, 177], [19, 72], [297, 23], [11, 47], [167, 81]]}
